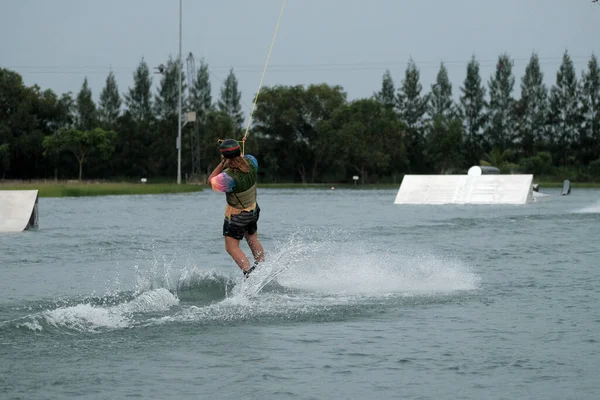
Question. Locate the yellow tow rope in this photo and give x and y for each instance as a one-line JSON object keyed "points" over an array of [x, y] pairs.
{"points": [[261, 79]]}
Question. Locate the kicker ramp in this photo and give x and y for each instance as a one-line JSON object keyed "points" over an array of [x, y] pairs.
{"points": [[465, 189], [18, 210]]}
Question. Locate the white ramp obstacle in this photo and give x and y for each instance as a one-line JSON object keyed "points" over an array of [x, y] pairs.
{"points": [[465, 189], [18, 210]]}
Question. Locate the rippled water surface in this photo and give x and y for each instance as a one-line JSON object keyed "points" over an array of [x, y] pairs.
{"points": [[134, 296]]}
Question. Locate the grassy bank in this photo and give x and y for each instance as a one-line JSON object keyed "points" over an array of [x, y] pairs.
{"points": [[77, 189]]}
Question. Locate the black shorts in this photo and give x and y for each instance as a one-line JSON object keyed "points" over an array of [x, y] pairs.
{"points": [[241, 223]]}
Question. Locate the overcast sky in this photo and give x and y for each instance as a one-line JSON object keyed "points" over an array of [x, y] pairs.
{"points": [[56, 43]]}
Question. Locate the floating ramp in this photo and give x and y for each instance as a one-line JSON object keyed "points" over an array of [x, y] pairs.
{"points": [[466, 189], [18, 210]]}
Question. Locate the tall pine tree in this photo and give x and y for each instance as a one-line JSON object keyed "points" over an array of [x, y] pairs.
{"points": [[166, 106], [444, 140], [230, 101], [136, 130], [565, 110], [66, 107], [167, 100], [86, 108], [386, 95], [441, 104], [532, 107], [109, 106], [472, 111], [139, 99], [199, 101], [200, 93], [590, 91], [412, 108], [501, 129]]}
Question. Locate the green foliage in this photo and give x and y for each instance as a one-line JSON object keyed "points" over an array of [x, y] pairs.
{"points": [[412, 106], [81, 144], [319, 104], [280, 123], [27, 114], [230, 101], [292, 121], [595, 169], [498, 158], [502, 127], [87, 117], [309, 133], [531, 111], [441, 104], [200, 93], [138, 99], [510, 168], [4, 156], [472, 111], [565, 112], [589, 141], [12, 93], [109, 106], [387, 94], [372, 136], [541, 164], [167, 99], [445, 144]]}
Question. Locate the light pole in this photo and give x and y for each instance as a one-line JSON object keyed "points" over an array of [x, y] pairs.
{"points": [[179, 64]]}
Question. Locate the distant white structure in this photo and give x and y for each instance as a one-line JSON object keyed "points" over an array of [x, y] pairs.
{"points": [[18, 210], [481, 185]]}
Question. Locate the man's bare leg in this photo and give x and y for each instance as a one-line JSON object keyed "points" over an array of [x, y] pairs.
{"points": [[233, 248], [255, 246]]}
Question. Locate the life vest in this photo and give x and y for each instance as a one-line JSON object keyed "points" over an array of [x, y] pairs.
{"points": [[244, 192]]}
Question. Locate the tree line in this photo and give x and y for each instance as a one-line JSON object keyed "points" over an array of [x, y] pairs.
{"points": [[309, 133]]}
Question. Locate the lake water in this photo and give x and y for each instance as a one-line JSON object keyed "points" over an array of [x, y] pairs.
{"points": [[135, 296]]}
